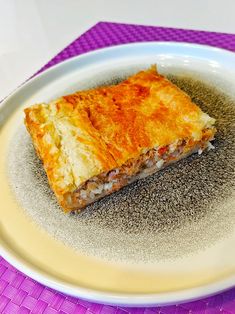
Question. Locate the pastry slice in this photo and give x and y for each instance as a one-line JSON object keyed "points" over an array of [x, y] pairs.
{"points": [[94, 142]]}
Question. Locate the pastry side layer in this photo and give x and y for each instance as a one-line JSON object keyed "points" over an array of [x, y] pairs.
{"points": [[114, 133]]}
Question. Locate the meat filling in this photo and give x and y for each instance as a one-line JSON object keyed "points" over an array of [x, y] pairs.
{"points": [[147, 163]]}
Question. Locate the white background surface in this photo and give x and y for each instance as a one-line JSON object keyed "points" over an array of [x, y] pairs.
{"points": [[33, 31]]}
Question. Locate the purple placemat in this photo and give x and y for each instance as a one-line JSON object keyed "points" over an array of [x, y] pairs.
{"points": [[21, 294]]}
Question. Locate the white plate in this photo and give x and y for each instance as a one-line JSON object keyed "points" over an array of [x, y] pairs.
{"points": [[106, 273]]}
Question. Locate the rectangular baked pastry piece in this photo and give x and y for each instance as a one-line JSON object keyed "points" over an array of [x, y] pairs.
{"points": [[94, 142]]}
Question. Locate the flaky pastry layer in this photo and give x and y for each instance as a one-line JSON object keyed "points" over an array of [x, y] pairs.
{"points": [[89, 134]]}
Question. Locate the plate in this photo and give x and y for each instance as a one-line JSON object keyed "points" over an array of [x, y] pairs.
{"points": [[166, 239]]}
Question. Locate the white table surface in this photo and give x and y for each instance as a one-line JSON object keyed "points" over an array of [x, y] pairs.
{"points": [[33, 31]]}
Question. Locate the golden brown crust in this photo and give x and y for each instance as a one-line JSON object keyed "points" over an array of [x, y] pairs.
{"points": [[81, 135]]}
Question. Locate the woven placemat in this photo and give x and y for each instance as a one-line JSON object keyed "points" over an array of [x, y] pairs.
{"points": [[21, 294]]}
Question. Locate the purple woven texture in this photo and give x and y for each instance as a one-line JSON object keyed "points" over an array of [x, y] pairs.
{"points": [[21, 294], [108, 34]]}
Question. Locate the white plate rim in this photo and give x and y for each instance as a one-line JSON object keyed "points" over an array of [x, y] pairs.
{"points": [[129, 300]]}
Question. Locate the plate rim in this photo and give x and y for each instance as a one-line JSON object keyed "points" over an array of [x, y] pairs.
{"points": [[118, 299], [105, 297], [42, 72]]}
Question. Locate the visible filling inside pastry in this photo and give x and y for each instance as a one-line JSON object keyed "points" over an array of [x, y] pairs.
{"points": [[94, 142], [147, 163]]}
